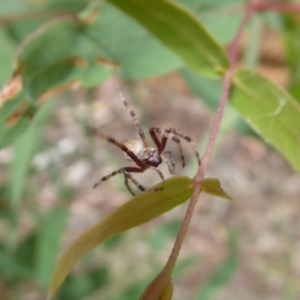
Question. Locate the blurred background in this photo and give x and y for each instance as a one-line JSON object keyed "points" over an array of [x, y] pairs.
{"points": [[245, 249]]}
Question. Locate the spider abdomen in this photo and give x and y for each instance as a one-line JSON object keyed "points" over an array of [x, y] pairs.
{"points": [[149, 156], [134, 146]]}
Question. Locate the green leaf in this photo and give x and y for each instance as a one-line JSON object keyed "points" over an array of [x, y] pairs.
{"points": [[48, 242], [24, 150], [212, 186], [270, 111], [24, 17], [181, 31], [45, 66], [291, 39], [221, 18], [15, 114], [137, 211], [122, 39], [7, 50]]}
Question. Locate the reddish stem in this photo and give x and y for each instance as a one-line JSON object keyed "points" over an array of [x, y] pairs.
{"points": [[252, 7], [213, 135], [277, 6]]}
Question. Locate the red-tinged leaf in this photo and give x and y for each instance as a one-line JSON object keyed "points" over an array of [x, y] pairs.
{"points": [[143, 208]]}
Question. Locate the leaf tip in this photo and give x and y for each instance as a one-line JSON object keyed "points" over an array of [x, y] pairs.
{"points": [[212, 186]]}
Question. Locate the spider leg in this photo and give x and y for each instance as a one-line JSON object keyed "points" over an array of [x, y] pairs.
{"points": [[127, 185], [160, 146], [135, 121], [127, 175], [104, 178], [126, 171], [122, 147], [165, 135], [169, 162], [177, 141], [188, 139], [159, 173], [174, 134]]}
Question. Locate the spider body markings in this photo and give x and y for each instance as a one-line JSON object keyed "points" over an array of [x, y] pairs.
{"points": [[144, 156]]}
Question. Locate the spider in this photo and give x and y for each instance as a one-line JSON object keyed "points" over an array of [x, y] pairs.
{"points": [[143, 155]]}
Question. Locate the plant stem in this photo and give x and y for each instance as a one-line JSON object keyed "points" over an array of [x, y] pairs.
{"points": [[233, 50]]}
